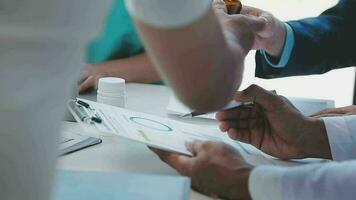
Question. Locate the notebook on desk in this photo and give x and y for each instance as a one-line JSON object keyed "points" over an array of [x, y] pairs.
{"points": [[75, 185], [71, 142]]}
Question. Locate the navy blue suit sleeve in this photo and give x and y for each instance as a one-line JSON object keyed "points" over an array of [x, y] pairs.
{"points": [[321, 44]]}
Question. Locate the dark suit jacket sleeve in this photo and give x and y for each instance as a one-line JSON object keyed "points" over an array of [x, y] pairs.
{"points": [[321, 44]]}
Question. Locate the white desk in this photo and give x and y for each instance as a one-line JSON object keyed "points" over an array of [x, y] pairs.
{"points": [[117, 154]]}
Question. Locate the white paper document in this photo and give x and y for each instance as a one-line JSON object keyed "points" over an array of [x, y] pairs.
{"points": [[305, 105], [167, 134]]}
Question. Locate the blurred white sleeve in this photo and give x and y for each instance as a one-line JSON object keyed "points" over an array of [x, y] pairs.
{"points": [[328, 181], [167, 13], [342, 137], [265, 182], [334, 180]]}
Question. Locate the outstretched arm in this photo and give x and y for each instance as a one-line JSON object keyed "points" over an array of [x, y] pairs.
{"points": [[133, 69], [320, 44], [202, 62]]}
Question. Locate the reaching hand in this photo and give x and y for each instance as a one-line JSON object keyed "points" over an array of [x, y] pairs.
{"points": [[216, 169], [90, 76], [275, 126], [269, 32], [271, 36], [333, 112], [236, 31]]}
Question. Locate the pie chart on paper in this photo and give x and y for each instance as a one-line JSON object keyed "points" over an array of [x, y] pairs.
{"points": [[151, 124]]}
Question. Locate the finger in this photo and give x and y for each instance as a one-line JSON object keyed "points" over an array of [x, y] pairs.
{"points": [[239, 124], [267, 99], [86, 72], [195, 147], [341, 110], [183, 164], [239, 135], [257, 24], [234, 134], [246, 136], [237, 113], [82, 78], [88, 83], [219, 6], [248, 10], [323, 112], [320, 113], [327, 115]]}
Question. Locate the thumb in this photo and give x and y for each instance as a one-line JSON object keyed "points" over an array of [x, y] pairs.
{"points": [[219, 6], [88, 83]]}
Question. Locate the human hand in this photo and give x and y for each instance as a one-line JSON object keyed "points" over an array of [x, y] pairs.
{"points": [[269, 31], [271, 36], [236, 31], [216, 169], [275, 126], [333, 112], [90, 76]]}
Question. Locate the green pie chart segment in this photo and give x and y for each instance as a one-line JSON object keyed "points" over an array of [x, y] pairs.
{"points": [[151, 124]]}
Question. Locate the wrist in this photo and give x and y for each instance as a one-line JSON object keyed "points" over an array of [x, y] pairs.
{"points": [[241, 190], [315, 142], [275, 45]]}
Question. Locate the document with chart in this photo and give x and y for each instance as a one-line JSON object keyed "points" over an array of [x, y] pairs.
{"points": [[167, 134]]}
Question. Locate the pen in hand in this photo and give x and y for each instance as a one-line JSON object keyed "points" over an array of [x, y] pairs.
{"points": [[231, 105]]}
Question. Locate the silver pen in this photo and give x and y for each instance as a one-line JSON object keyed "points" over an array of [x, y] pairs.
{"points": [[230, 105]]}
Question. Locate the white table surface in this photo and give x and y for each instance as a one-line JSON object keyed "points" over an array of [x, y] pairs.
{"points": [[118, 154]]}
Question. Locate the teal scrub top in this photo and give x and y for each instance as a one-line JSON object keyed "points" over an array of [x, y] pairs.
{"points": [[119, 38]]}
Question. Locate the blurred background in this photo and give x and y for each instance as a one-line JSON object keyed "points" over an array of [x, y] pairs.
{"points": [[119, 40], [337, 85]]}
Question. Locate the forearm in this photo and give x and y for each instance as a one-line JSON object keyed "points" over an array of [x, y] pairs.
{"points": [[321, 44], [196, 61], [137, 68]]}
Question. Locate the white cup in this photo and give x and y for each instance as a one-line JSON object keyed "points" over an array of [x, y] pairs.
{"points": [[111, 91]]}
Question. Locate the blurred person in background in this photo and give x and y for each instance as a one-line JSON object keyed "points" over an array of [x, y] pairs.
{"points": [[39, 53], [117, 52]]}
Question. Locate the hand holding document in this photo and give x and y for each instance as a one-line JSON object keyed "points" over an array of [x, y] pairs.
{"points": [[167, 134]]}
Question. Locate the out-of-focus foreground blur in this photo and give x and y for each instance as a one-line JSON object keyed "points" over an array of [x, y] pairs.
{"points": [[41, 46]]}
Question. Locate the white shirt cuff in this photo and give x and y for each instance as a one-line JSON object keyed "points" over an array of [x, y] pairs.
{"points": [[341, 134], [287, 49], [265, 182]]}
